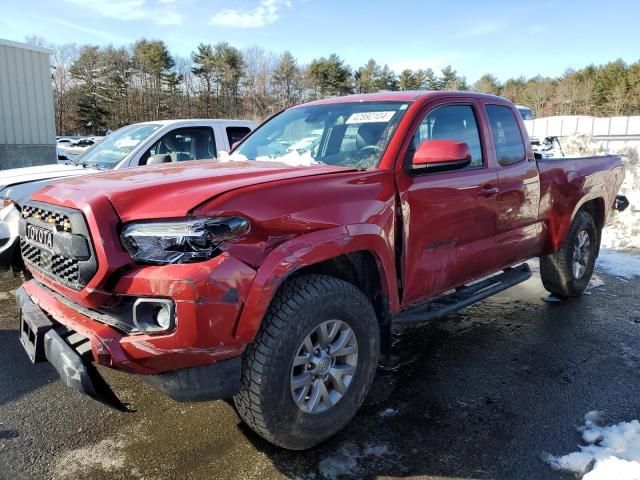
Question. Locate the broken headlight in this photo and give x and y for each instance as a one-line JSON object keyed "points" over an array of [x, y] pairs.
{"points": [[181, 241]]}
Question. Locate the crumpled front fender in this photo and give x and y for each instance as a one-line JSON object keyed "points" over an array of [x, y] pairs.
{"points": [[310, 249]]}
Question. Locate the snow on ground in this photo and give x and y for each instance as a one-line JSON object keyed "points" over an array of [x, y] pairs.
{"points": [[595, 282], [623, 233], [611, 452], [348, 457], [388, 412], [619, 264]]}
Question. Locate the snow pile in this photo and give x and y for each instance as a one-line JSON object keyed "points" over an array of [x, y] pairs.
{"points": [[581, 145], [610, 452], [624, 230], [619, 264]]}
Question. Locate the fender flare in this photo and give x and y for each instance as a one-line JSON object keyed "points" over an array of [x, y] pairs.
{"points": [[563, 223], [310, 249]]}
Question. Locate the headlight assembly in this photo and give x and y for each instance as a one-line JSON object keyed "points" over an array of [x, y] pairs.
{"points": [[180, 241]]}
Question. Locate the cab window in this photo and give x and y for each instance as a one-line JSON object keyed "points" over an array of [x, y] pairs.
{"points": [[235, 134], [506, 135], [183, 144], [452, 122]]}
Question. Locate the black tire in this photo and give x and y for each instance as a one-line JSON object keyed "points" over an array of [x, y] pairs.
{"points": [[556, 269], [265, 401]]}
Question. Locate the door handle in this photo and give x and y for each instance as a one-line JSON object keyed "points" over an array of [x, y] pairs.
{"points": [[488, 191]]}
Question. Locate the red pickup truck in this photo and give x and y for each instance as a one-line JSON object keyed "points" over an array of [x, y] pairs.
{"points": [[277, 275]]}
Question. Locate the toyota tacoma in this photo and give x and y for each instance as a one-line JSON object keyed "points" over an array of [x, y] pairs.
{"points": [[276, 275]]}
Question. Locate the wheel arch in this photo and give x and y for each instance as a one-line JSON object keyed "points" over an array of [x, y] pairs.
{"points": [[560, 224], [595, 207], [359, 255]]}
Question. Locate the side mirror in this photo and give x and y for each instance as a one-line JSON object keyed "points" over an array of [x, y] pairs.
{"points": [[442, 153], [162, 158]]}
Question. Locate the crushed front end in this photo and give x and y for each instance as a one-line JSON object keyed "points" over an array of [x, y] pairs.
{"points": [[90, 303]]}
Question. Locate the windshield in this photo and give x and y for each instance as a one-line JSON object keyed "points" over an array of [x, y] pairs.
{"points": [[110, 151], [348, 134]]}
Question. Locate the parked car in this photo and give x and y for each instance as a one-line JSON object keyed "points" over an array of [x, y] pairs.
{"points": [[525, 112], [277, 275], [72, 150], [131, 146]]}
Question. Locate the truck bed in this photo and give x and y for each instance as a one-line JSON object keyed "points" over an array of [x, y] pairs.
{"points": [[568, 183]]}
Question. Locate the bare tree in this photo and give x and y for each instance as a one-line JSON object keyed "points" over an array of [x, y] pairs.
{"points": [[257, 87]]}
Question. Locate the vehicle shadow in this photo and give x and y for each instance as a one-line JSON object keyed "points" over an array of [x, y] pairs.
{"points": [[454, 404], [8, 434], [18, 376]]}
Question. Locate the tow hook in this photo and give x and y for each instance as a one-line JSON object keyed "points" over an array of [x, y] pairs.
{"points": [[622, 203]]}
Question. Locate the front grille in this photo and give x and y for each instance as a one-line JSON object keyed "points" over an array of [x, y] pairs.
{"points": [[60, 220], [70, 260], [65, 268], [62, 268], [30, 253]]}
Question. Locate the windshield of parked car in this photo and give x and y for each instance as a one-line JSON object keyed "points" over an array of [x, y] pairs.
{"points": [[116, 146], [352, 134]]}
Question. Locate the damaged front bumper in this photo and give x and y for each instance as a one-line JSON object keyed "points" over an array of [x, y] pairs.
{"points": [[71, 344], [64, 350]]}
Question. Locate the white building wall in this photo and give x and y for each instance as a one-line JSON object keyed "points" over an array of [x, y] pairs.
{"points": [[27, 129]]}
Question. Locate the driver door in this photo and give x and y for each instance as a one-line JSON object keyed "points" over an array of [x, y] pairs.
{"points": [[449, 218]]}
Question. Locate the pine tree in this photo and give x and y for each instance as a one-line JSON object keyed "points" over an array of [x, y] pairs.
{"points": [[331, 76], [285, 78], [487, 84], [408, 80], [368, 77]]}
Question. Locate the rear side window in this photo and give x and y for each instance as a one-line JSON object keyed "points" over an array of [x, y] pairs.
{"points": [[235, 134], [506, 135]]}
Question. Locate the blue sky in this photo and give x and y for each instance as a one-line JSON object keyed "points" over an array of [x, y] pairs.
{"points": [[507, 38]]}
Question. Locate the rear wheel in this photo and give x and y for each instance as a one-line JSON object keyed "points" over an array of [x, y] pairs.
{"points": [[566, 273], [311, 365]]}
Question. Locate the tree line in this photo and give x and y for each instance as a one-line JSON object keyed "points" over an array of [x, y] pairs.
{"points": [[97, 88]]}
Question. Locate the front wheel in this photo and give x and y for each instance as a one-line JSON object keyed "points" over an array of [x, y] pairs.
{"points": [[567, 272], [311, 364]]}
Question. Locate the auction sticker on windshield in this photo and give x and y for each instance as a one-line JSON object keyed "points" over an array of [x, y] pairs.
{"points": [[370, 117]]}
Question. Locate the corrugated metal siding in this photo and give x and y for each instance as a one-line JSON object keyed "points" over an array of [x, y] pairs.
{"points": [[26, 97]]}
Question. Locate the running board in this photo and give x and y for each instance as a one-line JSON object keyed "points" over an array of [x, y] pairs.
{"points": [[463, 297]]}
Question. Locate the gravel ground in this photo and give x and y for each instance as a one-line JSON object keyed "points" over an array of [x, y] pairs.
{"points": [[479, 395]]}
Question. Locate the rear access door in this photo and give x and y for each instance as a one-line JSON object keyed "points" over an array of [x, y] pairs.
{"points": [[518, 231]]}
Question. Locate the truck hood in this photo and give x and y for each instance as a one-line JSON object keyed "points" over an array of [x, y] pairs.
{"points": [[15, 176], [172, 190]]}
